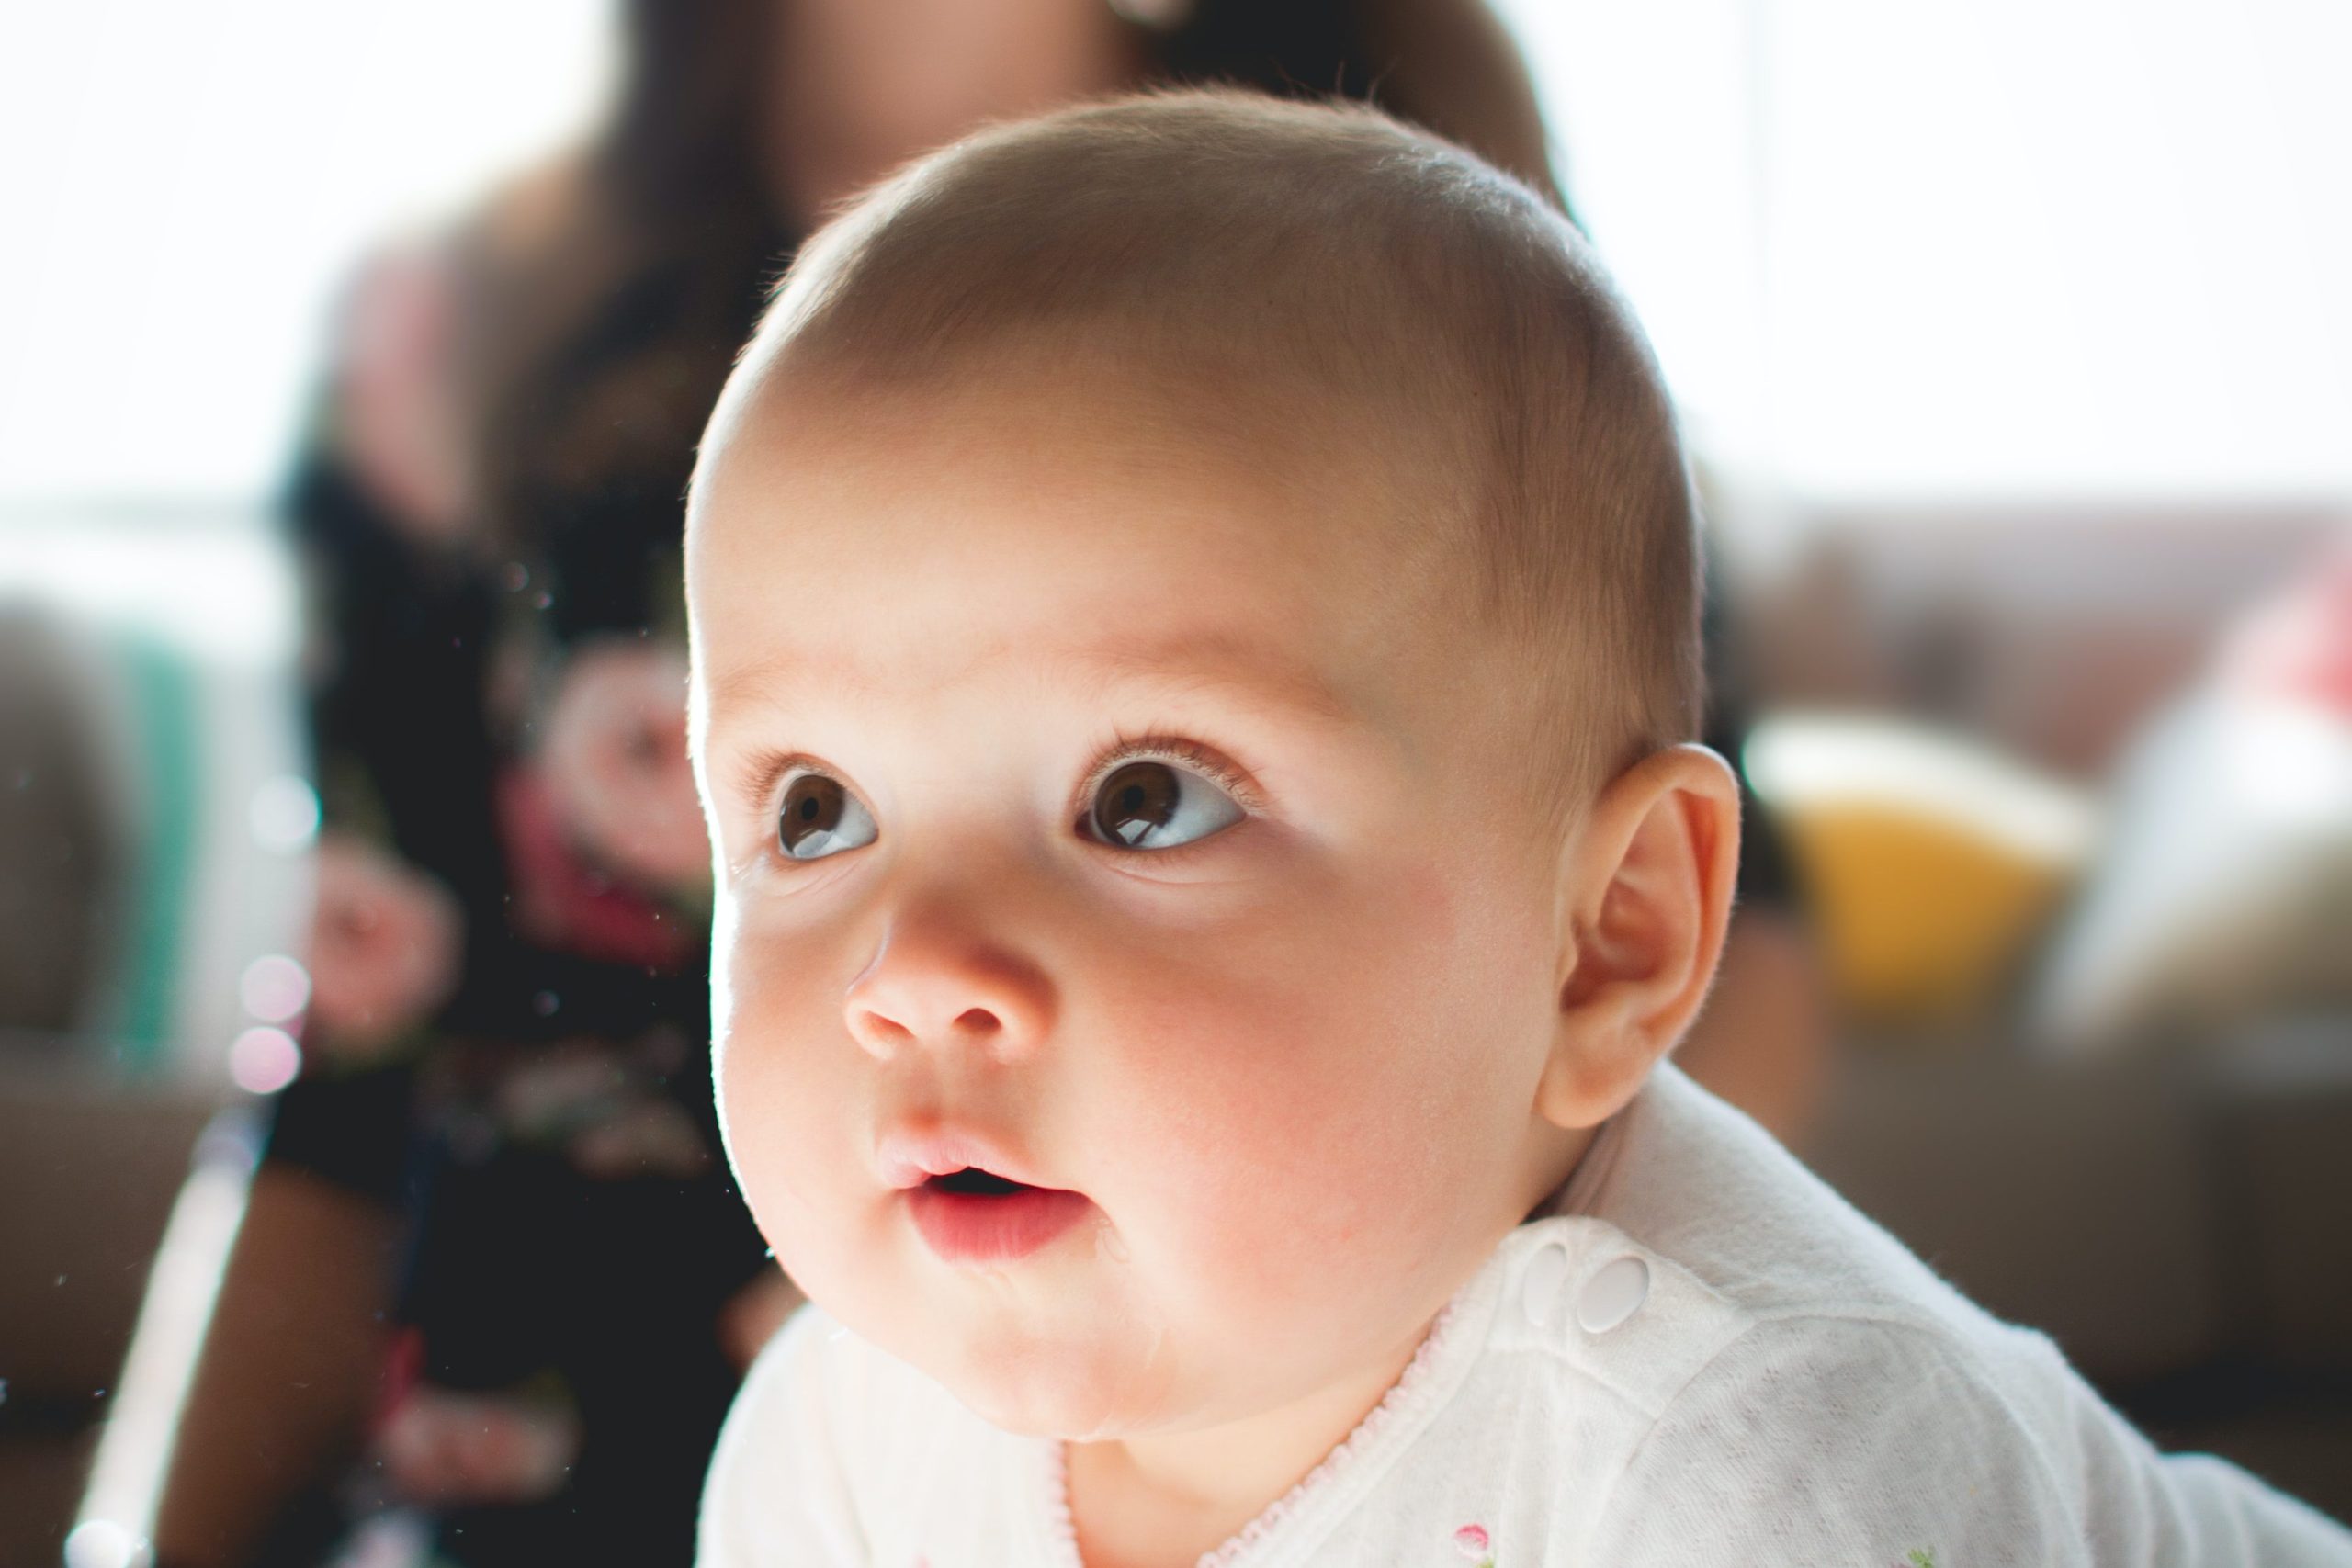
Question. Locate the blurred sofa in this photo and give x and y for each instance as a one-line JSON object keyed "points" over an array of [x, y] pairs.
{"points": [[2175, 1208]]}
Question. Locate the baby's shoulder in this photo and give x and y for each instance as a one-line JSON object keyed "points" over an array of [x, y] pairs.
{"points": [[1653, 1403], [1690, 1180], [1739, 1356], [1611, 1309], [1694, 1423], [1773, 1267]]}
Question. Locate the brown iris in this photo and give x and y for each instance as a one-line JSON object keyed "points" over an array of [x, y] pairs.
{"points": [[811, 811], [1136, 801]]}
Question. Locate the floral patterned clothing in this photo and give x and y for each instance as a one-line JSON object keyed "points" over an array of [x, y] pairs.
{"points": [[535, 1102], [1695, 1354]]}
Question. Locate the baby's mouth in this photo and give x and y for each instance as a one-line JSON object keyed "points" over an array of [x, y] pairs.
{"points": [[977, 1217], [980, 1183]]}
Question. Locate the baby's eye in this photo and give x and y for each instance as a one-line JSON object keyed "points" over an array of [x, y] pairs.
{"points": [[819, 818], [1152, 805]]}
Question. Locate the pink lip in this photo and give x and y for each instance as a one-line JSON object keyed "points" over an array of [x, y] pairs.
{"points": [[970, 1227], [974, 1228], [909, 1158]]}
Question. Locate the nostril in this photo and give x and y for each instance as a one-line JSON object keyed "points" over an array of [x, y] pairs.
{"points": [[881, 1031]]}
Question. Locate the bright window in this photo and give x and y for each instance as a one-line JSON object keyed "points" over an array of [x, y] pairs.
{"points": [[2008, 248], [188, 185], [2016, 247]]}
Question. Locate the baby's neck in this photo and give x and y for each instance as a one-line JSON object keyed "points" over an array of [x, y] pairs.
{"points": [[1163, 1500]]}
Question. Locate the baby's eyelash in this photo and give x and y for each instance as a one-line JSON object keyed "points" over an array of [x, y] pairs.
{"points": [[760, 772], [1208, 762]]}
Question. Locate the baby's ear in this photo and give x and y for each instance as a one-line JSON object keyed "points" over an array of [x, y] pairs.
{"points": [[1646, 894]]}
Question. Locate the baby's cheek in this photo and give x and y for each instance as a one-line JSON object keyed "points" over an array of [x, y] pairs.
{"points": [[1318, 1087], [780, 1134], [1245, 1123]]}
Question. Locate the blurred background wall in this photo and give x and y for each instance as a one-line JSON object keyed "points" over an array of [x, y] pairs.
{"points": [[2016, 348]]}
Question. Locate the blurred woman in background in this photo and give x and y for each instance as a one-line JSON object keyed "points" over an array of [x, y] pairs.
{"points": [[506, 1101]]}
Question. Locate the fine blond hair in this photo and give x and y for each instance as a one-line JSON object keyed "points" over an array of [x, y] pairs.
{"points": [[1358, 263]]}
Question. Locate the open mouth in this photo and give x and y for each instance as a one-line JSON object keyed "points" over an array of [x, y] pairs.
{"points": [[977, 1217], [981, 1183]]}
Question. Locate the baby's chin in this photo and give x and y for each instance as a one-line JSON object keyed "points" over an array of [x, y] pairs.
{"points": [[1071, 1346]]}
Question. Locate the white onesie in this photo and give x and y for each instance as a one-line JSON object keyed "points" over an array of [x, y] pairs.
{"points": [[1696, 1355]]}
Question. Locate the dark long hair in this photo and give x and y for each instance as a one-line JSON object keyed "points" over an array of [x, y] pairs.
{"points": [[607, 292]]}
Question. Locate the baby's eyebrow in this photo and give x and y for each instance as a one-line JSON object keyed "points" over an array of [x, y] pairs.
{"points": [[1230, 667]]}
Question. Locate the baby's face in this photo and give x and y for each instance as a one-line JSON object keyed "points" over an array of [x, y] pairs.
{"points": [[1110, 800]]}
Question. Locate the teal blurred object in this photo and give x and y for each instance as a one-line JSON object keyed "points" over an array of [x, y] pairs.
{"points": [[57, 842], [155, 821], [100, 837]]}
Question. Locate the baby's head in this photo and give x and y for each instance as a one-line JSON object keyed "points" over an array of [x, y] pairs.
{"points": [[1194, 617]]}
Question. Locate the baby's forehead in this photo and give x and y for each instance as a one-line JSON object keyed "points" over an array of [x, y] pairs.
{"points": [[1111, 445], [1184, 387], [1085, 515]]}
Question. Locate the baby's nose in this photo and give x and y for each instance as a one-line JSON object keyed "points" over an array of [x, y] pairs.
{"points": [[929, 985]]}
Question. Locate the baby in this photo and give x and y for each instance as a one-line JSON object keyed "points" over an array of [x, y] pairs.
{"points": [[1194, 623]]}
